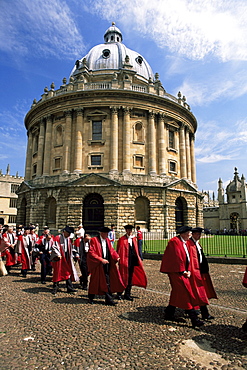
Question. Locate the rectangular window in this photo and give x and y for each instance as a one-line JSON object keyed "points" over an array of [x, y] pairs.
{"points": [[138, 161], [96, 160], [12, 203], [34, 169], [12, 219], [172, 166], [57, 163], [97, 130], [14, 188], [171, 139]]}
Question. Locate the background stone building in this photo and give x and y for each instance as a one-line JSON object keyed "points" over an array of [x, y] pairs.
{"points": [[8, 197], [110, 146], [227, 214]]}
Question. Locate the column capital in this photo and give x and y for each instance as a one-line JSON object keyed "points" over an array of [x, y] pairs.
{"points": [[49, 117], [68, 113], [114, 109], [151, 113], [78, 111], [126, 110]]}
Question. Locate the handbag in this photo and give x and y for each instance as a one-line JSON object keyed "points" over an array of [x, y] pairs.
{"points": [[3, 270]]}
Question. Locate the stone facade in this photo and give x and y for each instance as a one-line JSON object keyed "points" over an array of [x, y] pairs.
{"points": [[110, 146], [8, 198], [227, 213]]}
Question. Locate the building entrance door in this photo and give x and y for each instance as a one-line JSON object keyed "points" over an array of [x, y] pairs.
{"points": [[93, 213]]}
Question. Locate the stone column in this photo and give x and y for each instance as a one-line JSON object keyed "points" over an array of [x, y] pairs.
{"points": [[193, 159], [78, 141], [47, 150], [67, 141], [162, 144], [28, 156], [188, 156], [126, 140], [41, 148], [114, 140], [152, 144], [183, 170]]}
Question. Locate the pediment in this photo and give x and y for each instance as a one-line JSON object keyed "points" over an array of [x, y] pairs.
{"points": [[24, 187], [181, 184], [94, 179]]}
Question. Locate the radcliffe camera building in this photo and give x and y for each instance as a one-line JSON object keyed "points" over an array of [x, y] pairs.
{"points": [[110, 145]]}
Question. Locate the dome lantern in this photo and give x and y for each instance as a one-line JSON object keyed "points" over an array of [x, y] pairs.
{"points": [[113, 34]]}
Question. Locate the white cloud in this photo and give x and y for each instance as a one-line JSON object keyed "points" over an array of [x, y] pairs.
{"points": [[193, 28], [41, 27]]}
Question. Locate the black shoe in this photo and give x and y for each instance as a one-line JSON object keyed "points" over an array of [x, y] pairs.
{"points": [[70, 290], [197, 323], [128, 298], [119, 297], [54, 291], [84, 287], [43, 282], [90, 301], [110, 303], [209, 317]]}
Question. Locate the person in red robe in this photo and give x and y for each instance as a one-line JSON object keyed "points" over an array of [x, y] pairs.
{"points": [[24, 246], [244, 282], [204, 270], [130, 264], [9, 239], [63, 265], [181, 264], [101, 260]]}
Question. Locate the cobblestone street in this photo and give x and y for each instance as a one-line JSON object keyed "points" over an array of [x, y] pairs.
{"points": [[42, 331]]}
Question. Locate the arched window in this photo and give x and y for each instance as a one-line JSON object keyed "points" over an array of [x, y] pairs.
{"points": [[180, 212], [59, 136], [51, 212], [142, 212], [235, 224], [138, 132], [93, 212]]}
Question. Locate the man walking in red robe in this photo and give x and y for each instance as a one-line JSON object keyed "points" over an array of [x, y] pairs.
{"points": [[101, 259], [204, 270], [9, 239], [63, 267], [130, 264], [181, 264]]}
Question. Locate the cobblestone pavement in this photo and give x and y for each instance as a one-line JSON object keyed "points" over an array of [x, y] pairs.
{"points": [[40, 331]]}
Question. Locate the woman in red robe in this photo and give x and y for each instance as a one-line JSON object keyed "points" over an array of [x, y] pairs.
{"points": [[130, 264], [181, 264], [24, 246], [101, 260]]}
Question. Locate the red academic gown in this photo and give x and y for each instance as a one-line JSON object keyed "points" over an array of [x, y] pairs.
{"points": [[11, 257], [204, 269], [245, 279], [187, 293], [64, 268], [97, 283], [139, 276], [23, 241]]}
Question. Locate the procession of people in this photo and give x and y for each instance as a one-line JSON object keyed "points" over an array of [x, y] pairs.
{"points": [[110, 269]]}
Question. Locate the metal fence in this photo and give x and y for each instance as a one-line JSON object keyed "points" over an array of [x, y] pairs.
{"points": [[213, 245]]}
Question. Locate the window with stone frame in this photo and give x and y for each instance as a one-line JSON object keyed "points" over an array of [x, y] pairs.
{"points": [[171, 139], [59, 136], [14, 188], [139, 161], [96, 160], [13, 203], [34, 169], [96, 130], [138, 133], [172, 166], [57, 163]]}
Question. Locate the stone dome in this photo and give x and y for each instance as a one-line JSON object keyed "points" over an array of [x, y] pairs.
{"points": [[235, 184], [114, 55]]}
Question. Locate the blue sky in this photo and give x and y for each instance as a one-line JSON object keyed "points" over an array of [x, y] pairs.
{"points": [[198, 47]]}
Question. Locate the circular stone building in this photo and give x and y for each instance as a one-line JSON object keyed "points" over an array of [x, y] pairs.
{"points": [[110, 146]]}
